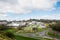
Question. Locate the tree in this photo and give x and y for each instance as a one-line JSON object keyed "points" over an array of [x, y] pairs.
{"points": [[6, 34], [34, 29], [55, 27]]}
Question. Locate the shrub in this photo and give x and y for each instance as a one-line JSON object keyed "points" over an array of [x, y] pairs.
{"points": [[10, 35], [3, 27], [55, 27]]}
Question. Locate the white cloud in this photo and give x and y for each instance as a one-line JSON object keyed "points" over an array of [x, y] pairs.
{"points": [[51, 17], [25, 6], [3, 16]]}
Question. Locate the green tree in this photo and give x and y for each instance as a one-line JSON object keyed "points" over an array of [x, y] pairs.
{"points": [[55, 27]]}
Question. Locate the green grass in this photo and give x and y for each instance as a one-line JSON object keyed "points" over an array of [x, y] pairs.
{"points": [[24, 38], [53, 35], [10, 30], [41, 29], [47, 39]]}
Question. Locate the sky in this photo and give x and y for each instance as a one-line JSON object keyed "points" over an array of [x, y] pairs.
{"points": [[29, 9]]}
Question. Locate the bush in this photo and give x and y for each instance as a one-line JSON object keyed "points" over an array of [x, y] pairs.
{"points": [[28, 29], [53, 35], [55, 27], [10, 35], [3, 27]]}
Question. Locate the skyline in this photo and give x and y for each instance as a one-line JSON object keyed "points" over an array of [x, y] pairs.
{"points": [[29, 9]]}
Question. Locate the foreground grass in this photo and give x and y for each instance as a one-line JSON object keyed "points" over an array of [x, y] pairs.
{"points": [[27, 38], [24, 38]]}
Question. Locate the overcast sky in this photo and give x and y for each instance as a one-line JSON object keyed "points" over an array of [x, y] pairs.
{"points": [[26, 9]]}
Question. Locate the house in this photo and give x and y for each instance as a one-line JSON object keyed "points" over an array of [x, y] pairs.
{"points": [[36, 24], [22, 23], [3, 22], [32, 23], [13, 24], [16, 24], [41, 25]]}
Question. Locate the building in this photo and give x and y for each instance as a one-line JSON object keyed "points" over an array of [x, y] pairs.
{"points": [[16, 24], [3, 22], [13, 24]]}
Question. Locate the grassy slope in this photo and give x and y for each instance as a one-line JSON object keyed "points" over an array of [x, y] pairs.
{"points": [[24, 38]]}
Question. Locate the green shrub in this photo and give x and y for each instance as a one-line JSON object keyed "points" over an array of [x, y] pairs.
{"points": [[3, 27], [53, 35], [10, 35], [55, 27]]}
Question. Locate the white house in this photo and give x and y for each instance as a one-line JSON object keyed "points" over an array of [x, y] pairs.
{"points": [[4, 22], [41, 25], [37, 24], [22, 23], [13, 24], [16, 24], [33, 22]]}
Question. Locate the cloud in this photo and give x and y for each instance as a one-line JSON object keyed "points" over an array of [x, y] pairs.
{"points": [[25, 6], [51, 17], [3, 16]]}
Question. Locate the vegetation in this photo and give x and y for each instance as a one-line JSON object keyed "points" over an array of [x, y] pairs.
{"points": [[53, 35], [4, 35], [7, 33], [24, 38], [55, 27], [10, 35]]}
